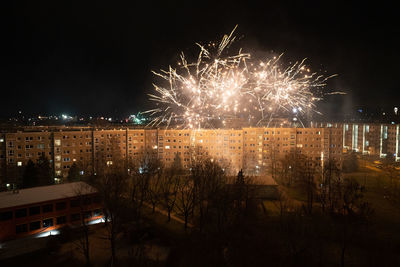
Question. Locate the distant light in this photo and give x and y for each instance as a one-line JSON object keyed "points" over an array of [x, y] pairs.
{"points": [[294, 110], [81, 172]]}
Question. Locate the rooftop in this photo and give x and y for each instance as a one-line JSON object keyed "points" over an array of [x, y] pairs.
{"points": [[43, 193]]}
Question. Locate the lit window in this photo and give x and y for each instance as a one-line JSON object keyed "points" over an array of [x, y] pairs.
{"points": [[48, 222], [19, 163]]}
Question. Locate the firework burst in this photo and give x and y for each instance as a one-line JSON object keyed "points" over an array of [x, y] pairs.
{"points": [[221, 85]]}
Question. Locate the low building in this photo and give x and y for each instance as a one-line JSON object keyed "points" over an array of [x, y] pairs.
{"points": [[40, 210]]}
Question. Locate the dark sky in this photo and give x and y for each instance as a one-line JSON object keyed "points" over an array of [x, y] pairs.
{"points": [[95, 58]]}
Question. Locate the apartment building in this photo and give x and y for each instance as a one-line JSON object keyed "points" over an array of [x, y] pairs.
{"points": [[375, 139], [252, 149]]}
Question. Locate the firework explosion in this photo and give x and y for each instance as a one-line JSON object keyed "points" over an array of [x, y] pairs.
{"points": [[219, 85]]}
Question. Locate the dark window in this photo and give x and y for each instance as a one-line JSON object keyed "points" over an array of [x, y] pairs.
{"points": [[34, 210], [97, 212], [96, 199], [34, 226], [75, 203], [20, 213], [22, 228], [87, 214], [61, 205], [5, 216], [47, 208], [61, 220], [87, 201], [75, 217], [48, 222]]}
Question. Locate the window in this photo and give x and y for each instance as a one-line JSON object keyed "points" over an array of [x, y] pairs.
{"points": [[48, 222], [20, 213], [34, 210], [40, 146], [34, 225], [22, 228], [19, 163], [47, 208], [61, 220], [97, 212], [5, 215], [87, 201], [87, 214], [75, 217], [96, 199], [61, 205], [74, 203]]}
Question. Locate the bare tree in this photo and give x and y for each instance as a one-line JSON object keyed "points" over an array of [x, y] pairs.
{"points": [[185, 198], [169, 184], [154, 189], [307, 181], [112, 185], [83, 193], [209, 178], [331, 174], [145, 173]]}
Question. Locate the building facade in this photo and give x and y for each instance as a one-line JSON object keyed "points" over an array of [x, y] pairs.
{"points": [[252, 149], [42, 210], [380, 140]]}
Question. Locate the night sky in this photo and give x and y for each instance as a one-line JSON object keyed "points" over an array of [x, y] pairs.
{"points": [[95, 58]]}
